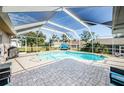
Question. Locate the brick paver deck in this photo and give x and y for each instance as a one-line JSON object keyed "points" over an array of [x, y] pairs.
{"points": [[67, 72]]}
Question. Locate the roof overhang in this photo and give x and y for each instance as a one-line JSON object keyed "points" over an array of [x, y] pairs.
{"points": [[111, 41], [118, 20], [5, 24], [27, 8], [32, 8]]}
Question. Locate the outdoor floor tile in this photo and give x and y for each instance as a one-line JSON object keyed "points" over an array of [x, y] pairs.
{"points": [[67, 72]]}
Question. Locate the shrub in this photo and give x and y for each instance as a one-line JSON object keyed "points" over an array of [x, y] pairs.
{"points": [[105, 51]]}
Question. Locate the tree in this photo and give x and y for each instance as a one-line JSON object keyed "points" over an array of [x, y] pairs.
{"points": [[54, 37], [86, 36], [64, 38], [50, 42], [57, 38], [21, 39], [47, 46], [41, 38], [32, 38], [99, 48]]}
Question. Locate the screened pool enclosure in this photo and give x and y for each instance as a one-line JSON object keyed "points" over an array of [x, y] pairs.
{"points": [[70, 21]]}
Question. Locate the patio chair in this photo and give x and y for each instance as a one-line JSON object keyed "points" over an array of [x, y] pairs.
{"points": [[122, 54], [117, 76], [5, 72], [117, 54]]}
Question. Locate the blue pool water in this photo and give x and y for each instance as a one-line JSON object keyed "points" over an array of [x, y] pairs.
{"points": [[58, 55]]}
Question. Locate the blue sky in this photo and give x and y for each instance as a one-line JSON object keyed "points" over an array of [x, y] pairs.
{"points": [[94, 14], [100, 30]]}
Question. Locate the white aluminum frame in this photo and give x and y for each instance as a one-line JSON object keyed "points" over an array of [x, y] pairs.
{"points": [[57, 31], [71, 30], [66, 28], [80, 21]]}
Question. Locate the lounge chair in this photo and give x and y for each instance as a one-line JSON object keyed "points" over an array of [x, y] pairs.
{"points": [[117, 54], [5, 72], [117, 76]]}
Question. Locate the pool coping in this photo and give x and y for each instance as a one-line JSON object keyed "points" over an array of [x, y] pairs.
{"points": [[102, 63]]}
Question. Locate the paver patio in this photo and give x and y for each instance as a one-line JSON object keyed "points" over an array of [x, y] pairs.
{"points": [[67, 72]]}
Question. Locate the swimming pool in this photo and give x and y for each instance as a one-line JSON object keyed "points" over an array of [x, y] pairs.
{"points": [[59, 55]]}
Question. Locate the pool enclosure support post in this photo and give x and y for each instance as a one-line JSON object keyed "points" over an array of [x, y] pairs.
{"points": [[66, 28], [70, 44], [80, 21], [120, 49], [49, 29], [37, 43], [37, 40], [25, 44], [112, 45]]}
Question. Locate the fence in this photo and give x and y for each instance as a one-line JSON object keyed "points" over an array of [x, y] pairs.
{"points": [[36, 49], [86, 49]]}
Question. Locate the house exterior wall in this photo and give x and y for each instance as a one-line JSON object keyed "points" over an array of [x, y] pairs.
{"points": [[73, 44], [118, 20], [110, 41], [15, 43], [6, 31], [113, 44], [4, 43]]}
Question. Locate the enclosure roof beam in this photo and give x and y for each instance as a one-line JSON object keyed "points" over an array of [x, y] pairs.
{"points": [[80, 21], [27, 30], [28, 26], [71, 30], [76, 18], [56, 31]]}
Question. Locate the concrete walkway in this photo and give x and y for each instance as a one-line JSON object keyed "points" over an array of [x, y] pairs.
{"points": [[67, 72]]}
